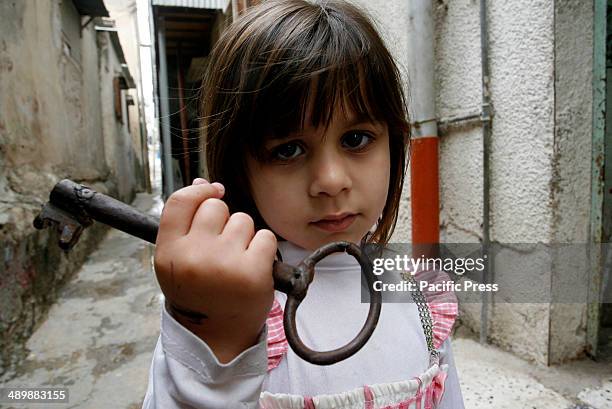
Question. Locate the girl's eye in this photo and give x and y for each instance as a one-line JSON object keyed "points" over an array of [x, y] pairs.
{"points": [[356, 140], [286, 151]]}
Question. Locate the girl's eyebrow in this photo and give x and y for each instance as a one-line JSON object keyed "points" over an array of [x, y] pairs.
{"points": [[282, 135], [351, 122], [363, 120]]}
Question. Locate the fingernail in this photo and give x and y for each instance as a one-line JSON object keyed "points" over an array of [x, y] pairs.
{"points": [[199, 181], [219, 186]]}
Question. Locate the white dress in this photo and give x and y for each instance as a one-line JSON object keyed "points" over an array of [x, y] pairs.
{"points": [[393, 370]]}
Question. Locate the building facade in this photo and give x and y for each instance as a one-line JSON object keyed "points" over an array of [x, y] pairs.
{"points": [[64, 102]]}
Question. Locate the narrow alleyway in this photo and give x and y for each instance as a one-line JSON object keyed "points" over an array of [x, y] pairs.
{"points": [[99, 337]]}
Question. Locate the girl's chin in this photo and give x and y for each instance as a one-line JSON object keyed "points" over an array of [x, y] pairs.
{"points": [[311, 238]]}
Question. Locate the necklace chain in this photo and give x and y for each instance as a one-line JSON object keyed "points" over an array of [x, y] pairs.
{"points": [[424, 313]]}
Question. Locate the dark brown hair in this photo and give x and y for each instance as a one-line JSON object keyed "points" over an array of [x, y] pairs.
{"points": [[276, 59]]}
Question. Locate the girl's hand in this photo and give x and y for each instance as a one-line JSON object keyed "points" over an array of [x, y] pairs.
{"points": [[214, 270]]}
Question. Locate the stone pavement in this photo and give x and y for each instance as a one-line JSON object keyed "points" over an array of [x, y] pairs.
{"points": [[98, 340], [492, 378]]}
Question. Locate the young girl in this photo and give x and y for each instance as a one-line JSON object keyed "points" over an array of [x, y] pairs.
{"points": [[306, 138]]}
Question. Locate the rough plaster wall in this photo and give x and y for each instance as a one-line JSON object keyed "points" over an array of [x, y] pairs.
{"points": [[522, 86], [92, 132], [521, 59], [571, 185], [117, 140], [43, 99], [457, 73], [44, 133], [573, 111]]}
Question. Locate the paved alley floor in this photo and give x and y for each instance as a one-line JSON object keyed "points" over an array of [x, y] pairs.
{"points": [[99, 337], [492, 378]]}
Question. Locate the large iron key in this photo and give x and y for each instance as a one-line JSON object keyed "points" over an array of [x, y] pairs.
{"points": [[73, 207]]}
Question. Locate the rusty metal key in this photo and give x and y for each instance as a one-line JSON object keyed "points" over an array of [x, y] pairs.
{"points": [[73, 207]]}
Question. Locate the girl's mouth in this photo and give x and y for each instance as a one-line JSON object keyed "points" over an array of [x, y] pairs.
{"points": [[335, 223]]}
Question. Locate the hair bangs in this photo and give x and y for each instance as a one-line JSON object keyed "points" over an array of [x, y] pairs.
{"points": [[304, 78]]}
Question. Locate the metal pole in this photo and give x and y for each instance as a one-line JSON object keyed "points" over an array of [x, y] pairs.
{"points": [[424, 180], [184, 120], [597, 175], [420, 67], [486, 143]]}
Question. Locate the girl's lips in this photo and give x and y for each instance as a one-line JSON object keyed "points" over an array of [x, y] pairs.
{"points": [[336, 224]]}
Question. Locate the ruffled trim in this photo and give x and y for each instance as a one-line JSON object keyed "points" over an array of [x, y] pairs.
{"points": [[443, 304], [277, 342], [425, 391]]}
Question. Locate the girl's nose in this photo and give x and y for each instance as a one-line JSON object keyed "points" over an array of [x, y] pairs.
{"points": [[331, 176]]}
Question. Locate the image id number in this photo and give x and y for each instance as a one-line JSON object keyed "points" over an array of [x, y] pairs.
{"points": [[41, 395]]}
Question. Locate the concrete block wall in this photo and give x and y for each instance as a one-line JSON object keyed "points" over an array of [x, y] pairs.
{"points": [[51, 127]]}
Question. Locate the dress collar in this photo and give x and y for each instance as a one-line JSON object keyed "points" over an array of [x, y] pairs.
{"points": [[293, 254]]}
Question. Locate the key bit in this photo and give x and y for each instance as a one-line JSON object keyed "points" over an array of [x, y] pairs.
{"points": [[68, 226]]}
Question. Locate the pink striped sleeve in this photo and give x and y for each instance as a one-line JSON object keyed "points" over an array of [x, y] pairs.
{"points": [[277, 343], [443, 305]]}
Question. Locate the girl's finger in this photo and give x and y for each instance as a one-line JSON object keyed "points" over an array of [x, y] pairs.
{"points": [[180, 209], [202, 181], [210, 217], [219, 186], [263, 246], [239, 230]]}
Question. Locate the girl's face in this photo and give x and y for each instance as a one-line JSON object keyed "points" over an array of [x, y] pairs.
{"points": [[323, 185]]}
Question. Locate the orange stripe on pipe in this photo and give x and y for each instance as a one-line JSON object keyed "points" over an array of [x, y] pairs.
{"points": [[424, 195]]}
